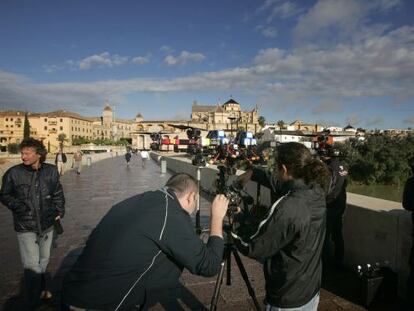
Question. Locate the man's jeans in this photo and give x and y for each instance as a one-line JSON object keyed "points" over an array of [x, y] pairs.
{"points": [[35, 256], [312, 305]]}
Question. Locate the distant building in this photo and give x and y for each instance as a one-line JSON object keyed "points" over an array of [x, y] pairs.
{"points": [[300, 126], [47, 127], [228, 117]]}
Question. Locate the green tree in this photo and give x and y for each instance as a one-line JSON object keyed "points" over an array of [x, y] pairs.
{"points": [[262, 121], [61, 138], [26, 127], [281, 123], [13, 148]]}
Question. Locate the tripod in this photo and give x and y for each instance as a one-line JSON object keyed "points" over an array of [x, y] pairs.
{"points": [[230, 248]]}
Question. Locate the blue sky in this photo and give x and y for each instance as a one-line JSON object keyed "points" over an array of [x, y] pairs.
{"points": [[332, 62]]}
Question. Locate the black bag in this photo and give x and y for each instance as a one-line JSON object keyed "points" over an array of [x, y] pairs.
{"points": [[58, 226]]}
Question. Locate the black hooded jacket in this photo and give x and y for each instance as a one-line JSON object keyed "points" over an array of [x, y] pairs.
{"points": [[290, 241], [141, 244], [28, 193]]}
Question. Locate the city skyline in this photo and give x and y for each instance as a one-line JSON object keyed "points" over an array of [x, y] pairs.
{"points": [[322, 61]]}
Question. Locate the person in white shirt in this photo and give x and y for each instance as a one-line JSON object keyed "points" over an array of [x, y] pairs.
{"points": [[144, 157]]}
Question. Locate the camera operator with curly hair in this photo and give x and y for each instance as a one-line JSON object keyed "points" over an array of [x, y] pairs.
{"points": [[289, 241]]}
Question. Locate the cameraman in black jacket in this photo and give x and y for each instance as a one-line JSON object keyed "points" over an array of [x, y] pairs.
{"points": [[142, 244], [336, 205], [408, 204], [290, 240]]}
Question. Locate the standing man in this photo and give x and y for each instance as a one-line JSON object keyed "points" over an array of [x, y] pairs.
{"points": [[77, 162], [33, 193], [60, 161], [336, 205], [408, 204], [144, 157], [127, 157], [142, 245]]}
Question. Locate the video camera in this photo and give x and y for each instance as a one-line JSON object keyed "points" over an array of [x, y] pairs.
{"points": [[156, 141], [193, 133], [239, 199]]}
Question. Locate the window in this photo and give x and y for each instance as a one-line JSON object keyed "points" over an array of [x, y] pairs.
{"points": [[61, 120], [45, 128], [7, 119], [18, 125], [61, 128], [7, 126], [11, 119], [45, 119], [11, 132]]}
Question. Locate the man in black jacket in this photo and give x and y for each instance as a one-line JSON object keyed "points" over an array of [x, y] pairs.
{"points": [[33, 193], [142, 244], [408, 204], [336, 205]]}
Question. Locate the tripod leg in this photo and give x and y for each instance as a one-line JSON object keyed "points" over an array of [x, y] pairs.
{"points": [[245, 278], [215, 298]]}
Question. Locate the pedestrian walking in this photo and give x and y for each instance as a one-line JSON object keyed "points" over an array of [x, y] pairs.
{"points": [[60, 161], [127, 157], [32, 191], [144, 157], [77, 162]]}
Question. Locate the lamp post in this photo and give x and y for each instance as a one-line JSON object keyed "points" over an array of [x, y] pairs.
{"points": [[231, 124]]}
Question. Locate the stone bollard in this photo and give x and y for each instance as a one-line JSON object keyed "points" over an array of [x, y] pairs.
{"points": [[89, 161], [163, 167]]}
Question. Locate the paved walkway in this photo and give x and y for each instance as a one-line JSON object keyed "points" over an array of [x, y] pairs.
{"points": [[88, 197]]}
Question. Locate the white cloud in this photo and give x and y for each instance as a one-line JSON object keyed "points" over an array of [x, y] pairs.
{"points": [[269, 32], [104, 59], [183, 58], [51, 68], [284, 10], [382, 65], [409, 120], [140, 60], [166, 49], [343, 19], [374, 122], [327, 106], [329, 15]]}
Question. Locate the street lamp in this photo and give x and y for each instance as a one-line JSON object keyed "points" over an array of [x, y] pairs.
{"points": [[231, 124]]}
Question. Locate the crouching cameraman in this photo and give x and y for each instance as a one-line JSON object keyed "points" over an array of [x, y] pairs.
{"points": [[290, 240], [142, 245]]}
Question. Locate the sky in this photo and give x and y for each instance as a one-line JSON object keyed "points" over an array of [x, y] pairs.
{"points": [[331, 62]]}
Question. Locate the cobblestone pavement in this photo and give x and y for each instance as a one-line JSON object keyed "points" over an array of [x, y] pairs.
{"points": [[88, 197]]}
